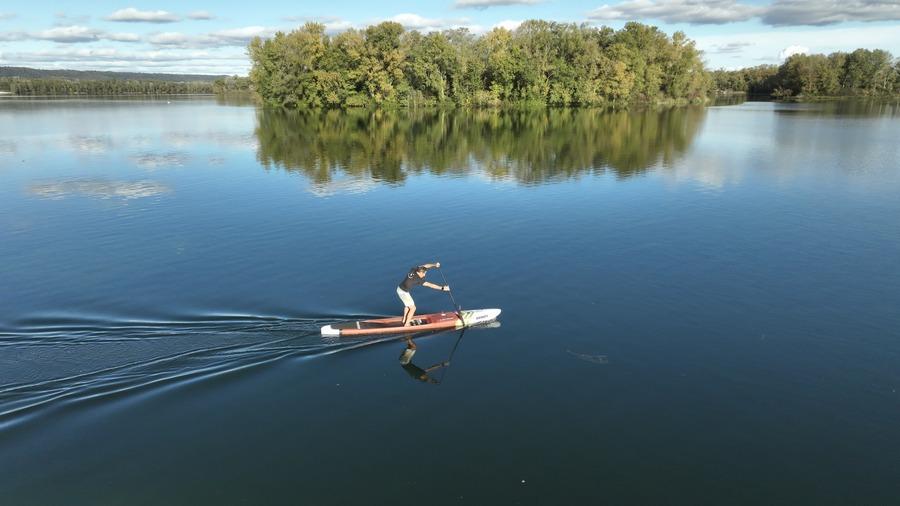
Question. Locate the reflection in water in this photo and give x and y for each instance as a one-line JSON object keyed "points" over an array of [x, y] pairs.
{"points": [[527, 146], [860, 135], [425, 375], [343, 186], [98, 189], [187, 140], [851, 108], [90, 145], [236, 99], [416, 372], [154, 160], [721, 100]]}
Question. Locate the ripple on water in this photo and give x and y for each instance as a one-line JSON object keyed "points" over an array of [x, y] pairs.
{"points": [[52, 363]]}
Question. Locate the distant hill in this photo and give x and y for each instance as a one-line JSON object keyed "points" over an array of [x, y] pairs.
{"points": [[95, 75]]}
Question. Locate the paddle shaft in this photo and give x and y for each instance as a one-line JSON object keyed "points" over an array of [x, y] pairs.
{"points": [[450, 358], [450, 292]]}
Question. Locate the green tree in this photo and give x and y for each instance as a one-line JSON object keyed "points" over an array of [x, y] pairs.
{"points": [[500, 65], [383, 62], [868, 71], [432, 65]]}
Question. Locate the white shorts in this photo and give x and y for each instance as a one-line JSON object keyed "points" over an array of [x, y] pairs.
{"points": [[405, 297]]}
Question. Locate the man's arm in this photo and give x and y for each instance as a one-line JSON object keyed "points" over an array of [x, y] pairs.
{"points": [[432, 266], [443, 288]]}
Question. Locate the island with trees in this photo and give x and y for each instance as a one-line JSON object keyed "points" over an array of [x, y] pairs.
{"points": [[540, 62]]}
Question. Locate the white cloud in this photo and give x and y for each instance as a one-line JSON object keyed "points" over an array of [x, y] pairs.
{"points": [[791, 51], [417, 22], [12, 36], [731, 47], [766, 46], [677, 11], [170, 39], [123, 37], [201, 15], [508, 24], [221, 38], [70, 34], [132, 15], [827, 12], [332, 24], [115, 55], [778, 13], [176, 61], [7, 15], [337, 26], [243, 35], [484, 4]]}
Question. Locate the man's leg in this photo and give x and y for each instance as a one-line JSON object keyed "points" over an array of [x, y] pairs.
{"points": [[409, 306], [408, 314]]}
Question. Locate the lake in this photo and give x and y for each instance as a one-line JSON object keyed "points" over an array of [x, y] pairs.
{"points": [[700, 305]]}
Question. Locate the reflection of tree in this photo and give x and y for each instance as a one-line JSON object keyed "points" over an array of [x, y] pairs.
{"points": [[861, 108], [238, 99], [527, 145]]}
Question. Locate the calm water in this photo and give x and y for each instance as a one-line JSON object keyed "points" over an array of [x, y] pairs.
{"points": [[700, 306]]}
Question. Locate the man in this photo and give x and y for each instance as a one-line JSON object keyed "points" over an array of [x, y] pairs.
{"points": [[416, 277]]}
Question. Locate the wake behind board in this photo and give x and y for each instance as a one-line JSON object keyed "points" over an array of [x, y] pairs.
{"points": [[423, 323]]}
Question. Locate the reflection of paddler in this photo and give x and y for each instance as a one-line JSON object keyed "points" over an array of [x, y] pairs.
{"points": [[415, 371]]}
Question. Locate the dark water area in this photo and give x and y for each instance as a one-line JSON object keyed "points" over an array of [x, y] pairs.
{"points": [[700, 305]]}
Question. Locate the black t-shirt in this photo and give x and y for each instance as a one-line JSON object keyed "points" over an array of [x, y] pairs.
{"points": [[412, 279]]}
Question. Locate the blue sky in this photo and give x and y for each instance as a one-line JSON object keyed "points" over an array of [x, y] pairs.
{"points": [[211, 37]]}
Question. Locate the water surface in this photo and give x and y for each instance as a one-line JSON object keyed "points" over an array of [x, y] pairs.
{"points": [[699, 304]]}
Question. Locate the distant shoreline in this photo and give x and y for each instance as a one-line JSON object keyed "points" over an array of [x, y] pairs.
{"points": [[117, 95]]}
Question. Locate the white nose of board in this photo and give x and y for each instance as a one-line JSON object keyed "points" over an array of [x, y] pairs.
{"points": [[477, 316]]}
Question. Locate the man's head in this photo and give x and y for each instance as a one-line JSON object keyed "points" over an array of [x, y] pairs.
{"points": [[420, 271]]}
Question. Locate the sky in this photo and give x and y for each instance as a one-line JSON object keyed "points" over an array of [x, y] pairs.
{"points": [[191, 36]]}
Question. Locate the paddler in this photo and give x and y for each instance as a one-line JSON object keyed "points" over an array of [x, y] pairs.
{"points": [[416, 277]]}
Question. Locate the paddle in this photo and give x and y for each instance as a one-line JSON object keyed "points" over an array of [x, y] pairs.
{"points": [[449, 292], [446, 363]]}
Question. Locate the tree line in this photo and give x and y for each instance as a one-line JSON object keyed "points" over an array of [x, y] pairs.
{"points": [[99, 75], [862, 72], [543, 62], [231, 84], [74, 87]]}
